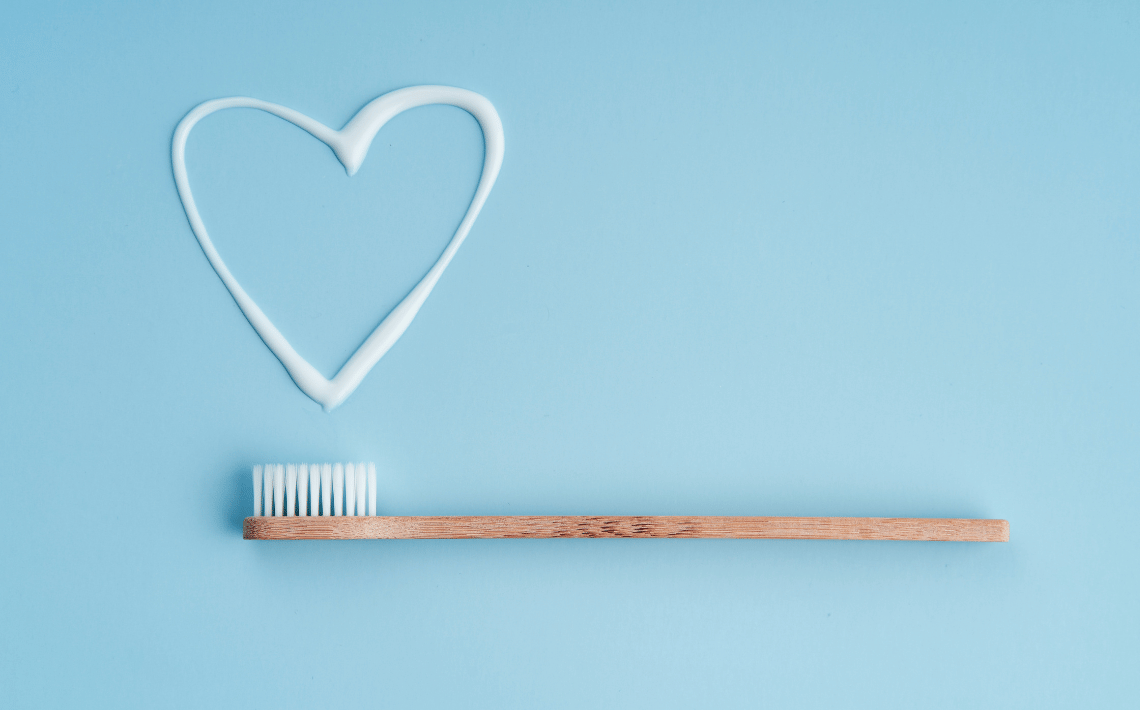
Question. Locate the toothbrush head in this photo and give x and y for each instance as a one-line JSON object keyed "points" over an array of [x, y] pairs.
{"points": [[314, 489]]}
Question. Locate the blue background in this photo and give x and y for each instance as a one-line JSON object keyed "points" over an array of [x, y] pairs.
{"points": [[741, 259]]}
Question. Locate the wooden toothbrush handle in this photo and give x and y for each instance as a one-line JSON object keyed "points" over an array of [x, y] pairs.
{"points": [[622, 526]]}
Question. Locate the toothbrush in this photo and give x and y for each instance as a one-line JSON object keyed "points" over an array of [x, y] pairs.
{"points": [[347, 510]]}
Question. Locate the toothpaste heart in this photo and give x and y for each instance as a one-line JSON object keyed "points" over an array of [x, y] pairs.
{"points": [[350, 144]]}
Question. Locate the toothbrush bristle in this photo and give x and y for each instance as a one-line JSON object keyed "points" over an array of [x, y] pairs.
{"points": [[303, 489], [326, 489], [350, 488], [279, 490], [257, 490], [338, 489], [267, 491], [372, 489], [314, 489], [290, 489], [361, 488]]}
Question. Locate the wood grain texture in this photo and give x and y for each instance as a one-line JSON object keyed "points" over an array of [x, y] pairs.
{"points": [[622, 526]]}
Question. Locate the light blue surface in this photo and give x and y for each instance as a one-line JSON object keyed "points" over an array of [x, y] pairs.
{"points": [[740, 260]]}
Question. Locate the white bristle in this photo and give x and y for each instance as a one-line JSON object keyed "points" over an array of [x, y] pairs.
{"points": [[326, 489], [350, 489], [338, 488], [267, 496], [279, 490], [361, 488], [256, 489], [315, 489], [303, 489], [372, 489], [290, 489]]}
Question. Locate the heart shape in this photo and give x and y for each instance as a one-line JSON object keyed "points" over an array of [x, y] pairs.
{"points": [[350, 144]]}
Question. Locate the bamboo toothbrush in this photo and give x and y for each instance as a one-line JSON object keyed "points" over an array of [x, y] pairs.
{"points": [[285, 507]]}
